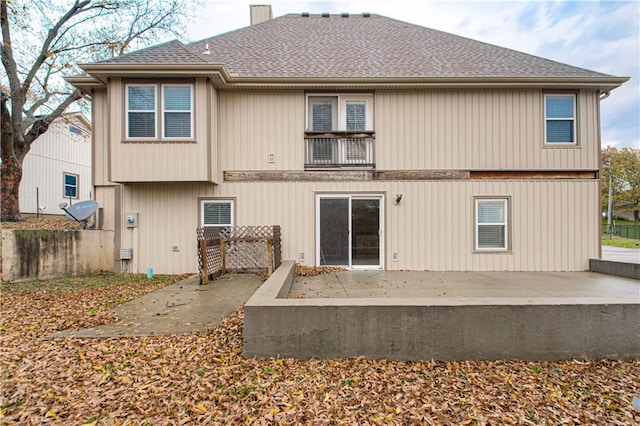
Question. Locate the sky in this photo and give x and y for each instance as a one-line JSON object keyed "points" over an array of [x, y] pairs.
{"points": [[602, 36]]}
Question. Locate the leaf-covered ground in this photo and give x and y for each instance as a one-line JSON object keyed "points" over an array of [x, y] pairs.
{"points": [[202, 378]]}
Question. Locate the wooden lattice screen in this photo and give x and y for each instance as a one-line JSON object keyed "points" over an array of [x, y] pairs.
{"points": [[238, 249]]}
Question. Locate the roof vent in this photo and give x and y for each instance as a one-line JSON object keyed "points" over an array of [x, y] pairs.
{"points": [[345, 14], [325, 14], [366, 14], [305, 14], [206, 50]]}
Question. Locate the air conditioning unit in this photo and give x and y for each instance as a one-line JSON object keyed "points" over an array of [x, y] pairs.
{"points": [[126, 253]]}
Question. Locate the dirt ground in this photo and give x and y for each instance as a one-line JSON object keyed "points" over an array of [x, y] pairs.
{"points": [[202, 378]]}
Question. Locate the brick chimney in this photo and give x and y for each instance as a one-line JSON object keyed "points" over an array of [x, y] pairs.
{"points": [[260, 13]]}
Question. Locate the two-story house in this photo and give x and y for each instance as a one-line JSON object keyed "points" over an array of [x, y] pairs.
{"points": [[374, 143], [58, 167]]}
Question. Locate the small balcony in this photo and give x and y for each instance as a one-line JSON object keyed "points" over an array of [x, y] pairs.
{"points": [[339, 150]]}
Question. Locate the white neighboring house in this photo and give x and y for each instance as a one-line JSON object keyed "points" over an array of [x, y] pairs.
{"points": [[58, 167]]}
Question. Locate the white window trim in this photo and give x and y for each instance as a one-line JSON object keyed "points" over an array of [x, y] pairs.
{"points": [[155, 111], [218, 201], [64, 185], [574, 118], [190, 86], [342, 108], [505, 201]]}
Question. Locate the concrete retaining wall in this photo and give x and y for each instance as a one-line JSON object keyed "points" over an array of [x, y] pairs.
{"points": [[41, 254], [620, 269], [434, 329]]}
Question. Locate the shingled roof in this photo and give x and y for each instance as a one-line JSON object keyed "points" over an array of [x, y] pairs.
{"points": [[373, 46]]}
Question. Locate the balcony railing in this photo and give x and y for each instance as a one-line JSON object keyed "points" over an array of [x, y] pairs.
{"points": [[339, 149]]}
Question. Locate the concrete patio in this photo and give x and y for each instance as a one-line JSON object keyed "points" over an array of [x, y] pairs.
{"points": [[446, 316]]}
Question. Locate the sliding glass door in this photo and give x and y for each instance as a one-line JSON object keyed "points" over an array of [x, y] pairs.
{"points": [[349, 229]]}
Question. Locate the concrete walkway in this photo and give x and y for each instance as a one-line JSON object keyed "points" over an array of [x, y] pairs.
{"points": [[621, 254], [180, 308]]}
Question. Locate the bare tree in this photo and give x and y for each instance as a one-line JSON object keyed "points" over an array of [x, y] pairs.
{"points": [[42, 41]]}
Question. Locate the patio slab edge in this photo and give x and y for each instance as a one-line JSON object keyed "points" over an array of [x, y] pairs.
{"points": [[533, 329]]}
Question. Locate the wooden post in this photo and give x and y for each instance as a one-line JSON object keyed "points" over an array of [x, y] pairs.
{"points": [[204, 272], [270, 267], [223, 255]]}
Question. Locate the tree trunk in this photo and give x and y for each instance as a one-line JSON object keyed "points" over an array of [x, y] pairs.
{"points": [[11, 175], [10, 171]]}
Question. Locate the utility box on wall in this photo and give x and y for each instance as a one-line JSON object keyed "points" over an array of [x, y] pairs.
{"points": [[131, 220], [126, 253]]}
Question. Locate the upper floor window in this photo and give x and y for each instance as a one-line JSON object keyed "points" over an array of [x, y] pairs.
{"points": [[560, 119], [344, 112], [176, 115], [70, 185], [177, 109]]}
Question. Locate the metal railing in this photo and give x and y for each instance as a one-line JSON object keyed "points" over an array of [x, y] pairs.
{"points": [[334, 151], [624, 231]]}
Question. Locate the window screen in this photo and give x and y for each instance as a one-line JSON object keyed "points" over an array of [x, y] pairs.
{"points": [[356, 115], [141, 111], [177, 111], [323, 114], [491, 224], [560, 118], [70, 185], [217, 213]]}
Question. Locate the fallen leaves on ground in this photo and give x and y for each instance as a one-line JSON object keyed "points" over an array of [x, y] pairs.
{"points": [[202, 377], [310, 271], [60, 223]]}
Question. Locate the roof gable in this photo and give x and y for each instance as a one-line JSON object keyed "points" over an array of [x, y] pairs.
{"points": [[334, 51], [367, 46]]}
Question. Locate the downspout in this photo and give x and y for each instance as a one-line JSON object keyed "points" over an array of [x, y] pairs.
{"points": [[601, 97]]}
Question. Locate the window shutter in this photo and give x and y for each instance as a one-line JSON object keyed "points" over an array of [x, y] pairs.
{"points": [[177, 111]]}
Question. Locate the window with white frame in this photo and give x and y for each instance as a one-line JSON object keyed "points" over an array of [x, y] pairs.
{"points": [[70, 185], [560, 118], [177, 111], [491, 227], [175, 115], [141, 111], [343, 112], [216, 212]]}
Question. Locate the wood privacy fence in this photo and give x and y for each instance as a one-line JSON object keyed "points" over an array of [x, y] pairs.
{"points": [[249, 249]]}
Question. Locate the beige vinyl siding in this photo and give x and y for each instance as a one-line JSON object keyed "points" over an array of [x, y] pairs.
{"points": [[256, 124], [162, 161], [56, 152], [100, 137], [477, 129], [423, 129], [554, 224]]}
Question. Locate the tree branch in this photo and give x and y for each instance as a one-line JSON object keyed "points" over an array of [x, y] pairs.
{"points": [[77, 8]]}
